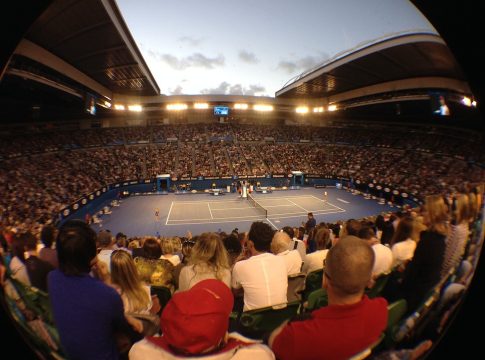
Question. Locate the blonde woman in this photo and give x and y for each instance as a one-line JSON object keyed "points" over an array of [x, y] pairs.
{"points": [[137, 301], [459, 232], [124, 277], [170, 246], [423, 272], [208, 260]]}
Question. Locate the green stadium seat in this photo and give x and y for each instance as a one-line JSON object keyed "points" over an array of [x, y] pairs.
{"points": [[313, 282], [317, 299], [254, 323]]}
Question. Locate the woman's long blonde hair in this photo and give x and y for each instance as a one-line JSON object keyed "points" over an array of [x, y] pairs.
{"points": [[209, 253], [436, 214], [125, 276]]}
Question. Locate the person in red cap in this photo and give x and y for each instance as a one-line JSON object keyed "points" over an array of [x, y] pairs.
{"points": [[194, 325]]}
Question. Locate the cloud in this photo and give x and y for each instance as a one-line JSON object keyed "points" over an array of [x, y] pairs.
{"points": [[200, 60], [248, 57], [302, 64], [177, 91], [190, 40], [225, 88], [255, 89], [194, 60], [221, 89], [174, 62]]}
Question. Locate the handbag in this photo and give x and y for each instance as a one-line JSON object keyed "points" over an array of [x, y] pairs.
{"points": [[151, 323]]}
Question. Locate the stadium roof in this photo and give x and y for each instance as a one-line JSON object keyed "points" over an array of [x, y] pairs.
{"points": [[89, 38], [402, 62]]}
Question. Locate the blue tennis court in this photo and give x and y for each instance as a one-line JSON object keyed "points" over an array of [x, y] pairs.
{"points": [[204, 212]]}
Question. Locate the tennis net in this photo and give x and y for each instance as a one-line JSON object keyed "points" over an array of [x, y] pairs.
{"points": [[257, 206]]}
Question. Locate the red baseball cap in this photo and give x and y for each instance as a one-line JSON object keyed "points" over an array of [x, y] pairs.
{"points": [[195, 320]]}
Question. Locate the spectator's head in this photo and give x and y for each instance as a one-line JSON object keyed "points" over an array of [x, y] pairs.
{"points": [[348, 269], [152, 249], [281, 242], [260, 237], [351, 227], [461, 211], [196, 321], [380, 222], [105, 239], [404, 230], [233, 247], [18, 246], [310, 215], [30, 241], [168, 246], [48, 235], [367, 233], [322, 238], [436, 214], [210, 251], [289, 230], [76, 247]]}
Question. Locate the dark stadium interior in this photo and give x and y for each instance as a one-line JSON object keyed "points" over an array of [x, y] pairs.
{"points": [[35, 94]]}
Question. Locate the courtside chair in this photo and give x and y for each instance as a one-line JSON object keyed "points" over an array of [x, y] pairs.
{"points": [[313, 282], [316, 300], [379, 284], [255, 323], [296, 286]]}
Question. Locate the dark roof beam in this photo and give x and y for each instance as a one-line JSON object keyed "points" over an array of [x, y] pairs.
{"points": [[80, 32], [115, 67], [365, 70], [99, 52], [129, 79], [396, 63]]}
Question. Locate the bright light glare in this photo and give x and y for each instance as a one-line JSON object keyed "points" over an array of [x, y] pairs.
{"points": [[177, 107], [301, 109], [466, 101], [332, 107], [240, 106], [119, 107], [318, 109], [263, 107], [201, 106], [136, 108]]}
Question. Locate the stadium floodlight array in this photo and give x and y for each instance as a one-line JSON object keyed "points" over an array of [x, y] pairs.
{"points": [[258, 206]]}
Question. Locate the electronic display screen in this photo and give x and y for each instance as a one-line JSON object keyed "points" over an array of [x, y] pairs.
{"points": [[221, 110]]}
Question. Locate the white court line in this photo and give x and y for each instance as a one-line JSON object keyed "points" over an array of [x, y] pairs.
{"points": [[268, 220], [209, 206], [169, 211], [272, 206], [209, 201], [211, 222], [345, 202], [218, 218], [298, 205], [215, 221], [326, 202], [238, 208]]}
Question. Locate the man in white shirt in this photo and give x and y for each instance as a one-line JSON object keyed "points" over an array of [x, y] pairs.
{"points": [[295, 244], [263, 276], [383, 255], [279, 247]]}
